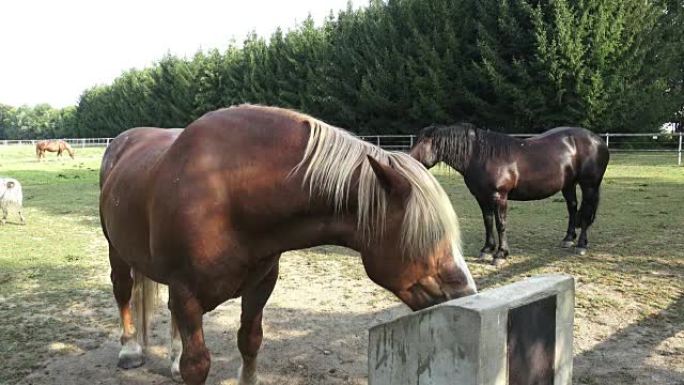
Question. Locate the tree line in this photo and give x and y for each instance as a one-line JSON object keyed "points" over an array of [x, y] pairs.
{"points": [[398, 65], [39, 121]]}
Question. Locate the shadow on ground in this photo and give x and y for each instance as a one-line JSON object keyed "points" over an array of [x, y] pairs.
{"points": [[621, 358]]}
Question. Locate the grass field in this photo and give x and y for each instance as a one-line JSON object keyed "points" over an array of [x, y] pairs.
{"points": [[55, 299]]}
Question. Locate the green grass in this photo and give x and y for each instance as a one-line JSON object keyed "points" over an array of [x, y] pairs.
{"points": [[52, 270], [636, 237], [54, 285]]}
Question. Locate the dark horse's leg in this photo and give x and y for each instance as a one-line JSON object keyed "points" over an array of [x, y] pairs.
{"points": [[570, 195], [488, 217], [500, 216], [187, 313], [250, 334], [587, 212], [131, 354]]}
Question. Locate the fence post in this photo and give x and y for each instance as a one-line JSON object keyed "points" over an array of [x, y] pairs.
{"points": [[521, 333], [679, 156], [411, 142], [607, 139]]}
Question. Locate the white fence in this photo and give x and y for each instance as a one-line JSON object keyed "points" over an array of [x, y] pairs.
{"points": [[618, 143], [627, 143], [78, 143]]}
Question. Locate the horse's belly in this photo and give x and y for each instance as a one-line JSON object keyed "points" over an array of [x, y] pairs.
{"points": [[530, 195], [537, 189]]}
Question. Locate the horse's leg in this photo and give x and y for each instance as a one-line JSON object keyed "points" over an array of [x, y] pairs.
{"points": [[21, 216], [500, 216], [587, 212], [176, 350], [488, 217], [4, 216], [570, 195], [250, 334], [187, 312], [131, 354]]}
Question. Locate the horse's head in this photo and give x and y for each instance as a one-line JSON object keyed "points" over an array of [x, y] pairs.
{"points": [[424, 150], [450, 144], [417, 255], [68, 148]]}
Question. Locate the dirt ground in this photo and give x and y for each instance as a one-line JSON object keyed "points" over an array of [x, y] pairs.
{"points": [[316, 333]]}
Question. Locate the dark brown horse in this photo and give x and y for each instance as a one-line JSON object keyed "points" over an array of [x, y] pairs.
{"points": [[497, 168], [208, 211], [53, 145]]}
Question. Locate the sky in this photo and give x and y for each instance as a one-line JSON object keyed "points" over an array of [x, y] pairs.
{"points": [[52, 50]]}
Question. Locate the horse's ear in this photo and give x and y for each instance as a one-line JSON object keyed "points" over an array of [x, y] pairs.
{"points": [[390, 179]]}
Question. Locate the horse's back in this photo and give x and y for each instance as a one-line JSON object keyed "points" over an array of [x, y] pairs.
{"points": [[591, 151], [559, 157], [230, 158], [136, 142], [170, 194]]}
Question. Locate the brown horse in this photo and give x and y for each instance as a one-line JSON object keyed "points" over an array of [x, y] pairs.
{"points": [[497, 168], [208, 211], [53, 145]]}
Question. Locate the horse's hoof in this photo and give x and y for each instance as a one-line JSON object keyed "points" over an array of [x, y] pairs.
{"points": [[131, 356], [244, 378], [499, 262], [484, 256], [130, 361], [175, 374], [567, 244], [581, 250]]}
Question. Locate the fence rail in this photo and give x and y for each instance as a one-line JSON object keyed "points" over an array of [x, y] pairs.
{"points": [[74, 142], [617, 142]]}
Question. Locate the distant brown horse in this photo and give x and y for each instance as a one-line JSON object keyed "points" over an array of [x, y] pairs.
{"points": [[53, 145], [208, 211], [497, 168]]}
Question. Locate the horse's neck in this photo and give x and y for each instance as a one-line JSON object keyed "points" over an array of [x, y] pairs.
{"points": [[304, 229], [460, 162]]}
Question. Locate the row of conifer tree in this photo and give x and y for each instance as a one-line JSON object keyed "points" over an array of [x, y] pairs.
{"points": [[398, 65]]}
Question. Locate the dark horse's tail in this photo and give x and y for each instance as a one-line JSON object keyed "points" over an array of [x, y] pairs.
{"points": [[591, 175]]}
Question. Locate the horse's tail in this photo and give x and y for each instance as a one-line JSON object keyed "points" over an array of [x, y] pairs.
{"points": [[39, 150], [145, 300]]}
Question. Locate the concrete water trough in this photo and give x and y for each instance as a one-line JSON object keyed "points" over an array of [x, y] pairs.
{"points": [[519, 334]]}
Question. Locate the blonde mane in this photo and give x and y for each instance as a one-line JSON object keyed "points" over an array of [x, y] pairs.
{"points": [[333, 155]]}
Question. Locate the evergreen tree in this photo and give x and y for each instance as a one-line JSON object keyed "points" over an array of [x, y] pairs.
{"points": [[398, 65]]}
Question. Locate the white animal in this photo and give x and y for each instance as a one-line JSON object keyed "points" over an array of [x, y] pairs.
{"points": [[10, 196]]}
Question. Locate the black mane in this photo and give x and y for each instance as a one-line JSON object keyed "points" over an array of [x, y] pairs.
{"points": [[460, 143]]}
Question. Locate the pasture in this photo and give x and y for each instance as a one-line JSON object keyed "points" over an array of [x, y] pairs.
{"points": [[59, 324]]}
